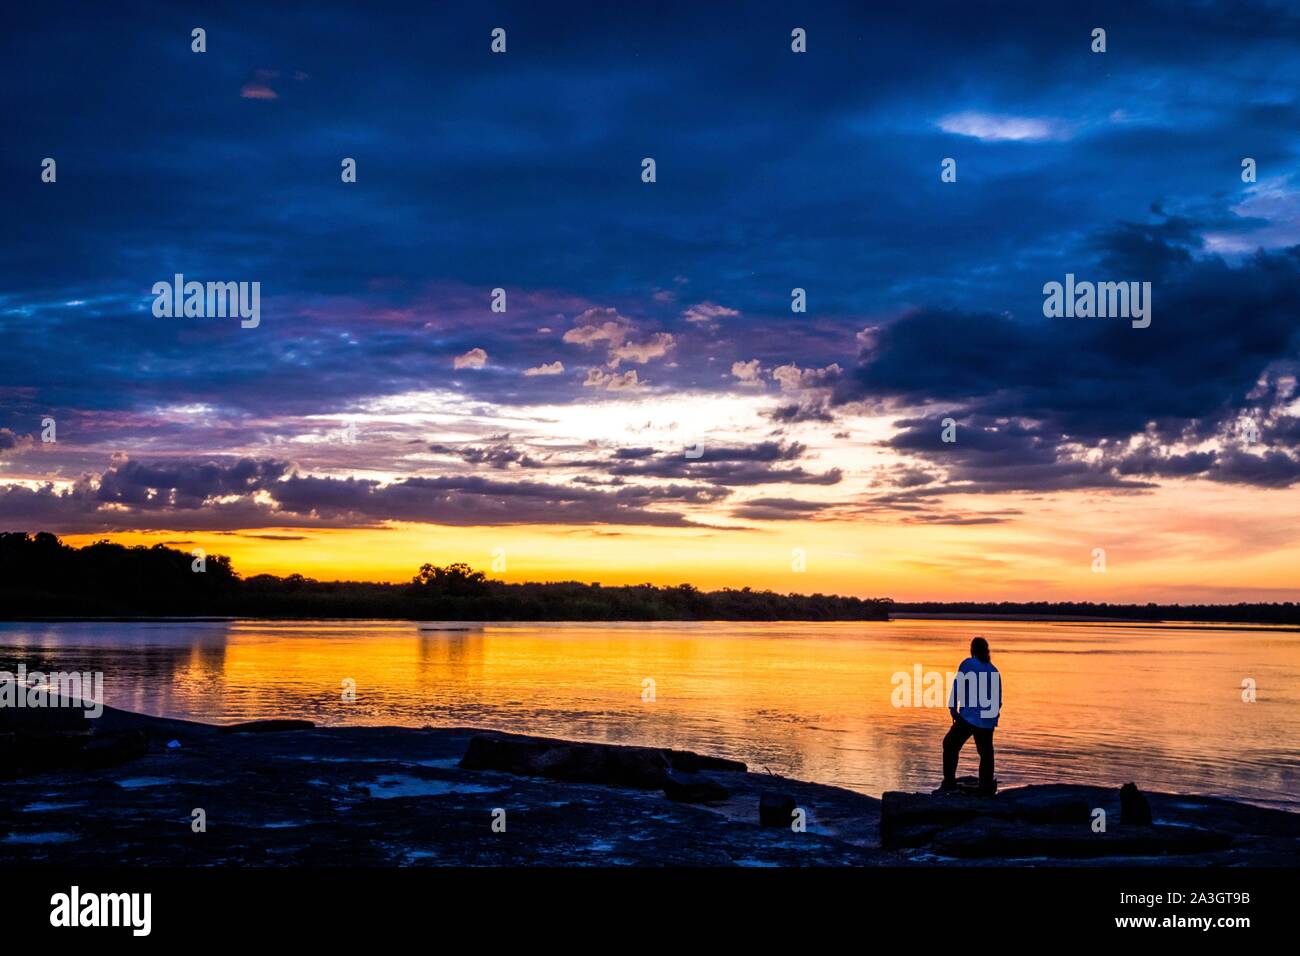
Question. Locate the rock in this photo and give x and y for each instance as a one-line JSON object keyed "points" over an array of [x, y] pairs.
{"points": [[694, 791], [307, 800], [643, 768], [967, 786], [1052, 821], [689, 762], [775, 810], [38, 752], [273, 726], [1006, 839], [59, 714], [912, 819], [1134, 809], [113, 748]]}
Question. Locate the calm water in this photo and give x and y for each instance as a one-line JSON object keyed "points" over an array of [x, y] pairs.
{"points": [[1084, 703]]}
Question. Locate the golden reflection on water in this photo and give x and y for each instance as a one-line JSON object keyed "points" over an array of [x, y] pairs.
{"points": [[1083, 703]]}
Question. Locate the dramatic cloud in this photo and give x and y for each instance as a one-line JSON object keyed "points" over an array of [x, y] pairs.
{"points": [[184, 484], [258, 494], [1034, 395], [605, 327], [791, 378], [644, 317], [763, 463], [747, 373], [776, 509], [474, 358], [599, 326], [707, 314], [656, 346], [611, 381]]}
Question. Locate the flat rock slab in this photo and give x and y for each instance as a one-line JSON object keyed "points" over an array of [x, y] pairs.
{"points": [[278, 726], [646, 768], [986, 838], [1053, 824], [390, 796], [912, 819], [26, 752]]}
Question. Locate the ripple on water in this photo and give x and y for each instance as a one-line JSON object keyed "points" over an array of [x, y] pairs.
{"points": [[37, 838]]}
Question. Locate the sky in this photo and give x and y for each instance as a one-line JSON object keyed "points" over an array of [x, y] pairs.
{"points": [[649, 406]]}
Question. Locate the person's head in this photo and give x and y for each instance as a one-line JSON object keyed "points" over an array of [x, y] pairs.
{"points": [[979, 649]]}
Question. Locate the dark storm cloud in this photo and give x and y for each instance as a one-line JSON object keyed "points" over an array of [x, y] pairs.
{"points": [[997, 456], [777, 509], [210, 496], [759, 464], [499, 455], [807, 411], [184, 484], [1273, 469], [522, 171], [1149, 461], [1029, 395], [776, 170], [473, 500]]}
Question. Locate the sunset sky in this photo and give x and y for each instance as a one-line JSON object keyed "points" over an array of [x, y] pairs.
{"points": [[382, 415]]}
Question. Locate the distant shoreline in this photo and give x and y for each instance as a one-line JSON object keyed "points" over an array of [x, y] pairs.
{"points": [[976, 616], [1161, 623], [475, 625], [43, 579]]}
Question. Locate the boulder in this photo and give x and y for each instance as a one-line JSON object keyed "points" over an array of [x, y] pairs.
{"points": [[775, 809], [913, 819], [1134, 808]]}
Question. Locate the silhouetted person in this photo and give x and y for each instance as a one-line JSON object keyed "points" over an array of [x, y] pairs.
{"points": [[975, 702]]}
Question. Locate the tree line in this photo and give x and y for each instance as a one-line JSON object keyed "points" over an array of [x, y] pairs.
{"points": [[40, 576]]}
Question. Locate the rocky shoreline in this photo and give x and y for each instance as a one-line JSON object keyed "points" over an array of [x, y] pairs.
{"points": [[285, 793]]}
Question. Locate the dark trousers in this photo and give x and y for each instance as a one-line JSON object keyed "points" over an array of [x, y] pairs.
{"points": [[952, 744]]}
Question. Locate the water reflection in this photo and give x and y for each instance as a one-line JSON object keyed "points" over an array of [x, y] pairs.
{"points": [[1084, 703]]}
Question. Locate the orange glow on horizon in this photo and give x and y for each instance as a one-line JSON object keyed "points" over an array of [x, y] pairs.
{"points": [[1201, 544]]}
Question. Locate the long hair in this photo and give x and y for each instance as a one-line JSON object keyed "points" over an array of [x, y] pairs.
{"points": [[979, 649]]}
